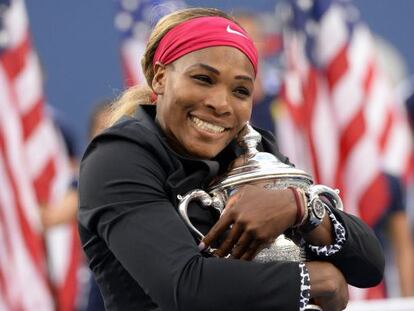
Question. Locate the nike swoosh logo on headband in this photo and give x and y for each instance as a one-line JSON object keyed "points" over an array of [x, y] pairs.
{"points": [[229, 30]]}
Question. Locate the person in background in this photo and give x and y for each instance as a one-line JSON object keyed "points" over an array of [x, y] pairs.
{"points": [[65, 210], [177, 135], [267, 81]]}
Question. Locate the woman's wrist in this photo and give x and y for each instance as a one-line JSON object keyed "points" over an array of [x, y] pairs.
{"points": [[301, 206], [322, 277]]}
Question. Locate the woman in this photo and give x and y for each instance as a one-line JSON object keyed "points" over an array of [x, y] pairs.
{"points": [[201, 66]]}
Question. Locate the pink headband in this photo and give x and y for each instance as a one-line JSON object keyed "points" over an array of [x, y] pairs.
{"points": [[202, 32]]}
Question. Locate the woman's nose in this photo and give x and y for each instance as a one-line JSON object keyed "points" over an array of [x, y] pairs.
{"points": [[219, 101]]}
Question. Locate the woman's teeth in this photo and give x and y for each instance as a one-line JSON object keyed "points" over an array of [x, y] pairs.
{"points": [[207, 126]]}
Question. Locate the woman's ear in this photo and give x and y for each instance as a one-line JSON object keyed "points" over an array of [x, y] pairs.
{"points": [[158, 82]]}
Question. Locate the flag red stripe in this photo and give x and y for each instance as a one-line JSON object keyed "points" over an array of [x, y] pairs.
{"points": [[389, 121], [294, 111], [42, 184], [369, 77], [310, 94], [337, 67], [14, 60], [67, 293], [4, 293], [4, 233], [7, 245], [129, 77], [32, 240], [374, 200], [352, 134], [32, 118], [349, 138], [355, 129]]}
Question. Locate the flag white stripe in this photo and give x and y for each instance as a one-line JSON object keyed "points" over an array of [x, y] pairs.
{"points": [[332, 35], [378, 108], [39, 148], [10, 125], [130, 51], [348, 93], [27, 84], [397, 148], [325, 137], [16, 23], [359, 173]]}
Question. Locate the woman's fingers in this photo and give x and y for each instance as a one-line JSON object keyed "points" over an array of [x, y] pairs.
{"points": [[232, 237], [252, 250], [225, 221], [242, 245], [217, 230]]}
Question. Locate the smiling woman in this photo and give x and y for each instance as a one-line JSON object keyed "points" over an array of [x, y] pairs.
{"points": [[204, 99], [179, 134]]}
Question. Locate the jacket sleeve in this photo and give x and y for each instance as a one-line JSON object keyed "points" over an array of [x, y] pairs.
{"points": [[361, 258], [122, 198]]}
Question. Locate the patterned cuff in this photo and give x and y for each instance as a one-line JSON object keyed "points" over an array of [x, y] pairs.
{"points": [[340, 238], [304, 287]]}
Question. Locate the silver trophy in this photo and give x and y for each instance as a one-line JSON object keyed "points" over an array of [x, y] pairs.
{"points": [[264, 169]]}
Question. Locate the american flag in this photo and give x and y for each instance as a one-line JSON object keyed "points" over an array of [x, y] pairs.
{"points": [[33, 171], [134, 20], [343, 122], [343, 119]]}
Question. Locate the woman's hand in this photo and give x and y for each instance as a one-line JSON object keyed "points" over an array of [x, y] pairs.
{"points": [[256, 217], [329, 289], [64, 211]]}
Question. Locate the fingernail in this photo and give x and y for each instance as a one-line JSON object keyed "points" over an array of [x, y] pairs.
{"points": [[202, 246]]}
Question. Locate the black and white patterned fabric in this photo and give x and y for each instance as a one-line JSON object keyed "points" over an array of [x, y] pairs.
{"points": [[340, 238], [327, 250], [304, 287]]}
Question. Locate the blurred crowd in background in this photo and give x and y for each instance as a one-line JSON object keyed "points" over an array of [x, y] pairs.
{"points": [[338, 97]]}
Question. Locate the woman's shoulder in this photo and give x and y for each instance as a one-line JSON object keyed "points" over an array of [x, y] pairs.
{"points": [[129, 128], [127, 141]]}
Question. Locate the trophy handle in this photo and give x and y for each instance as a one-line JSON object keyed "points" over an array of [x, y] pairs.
{"points": [[205, 199], [331, 194]]}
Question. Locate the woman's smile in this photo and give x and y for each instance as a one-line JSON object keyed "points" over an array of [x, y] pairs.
{"points": [[206, 126]]}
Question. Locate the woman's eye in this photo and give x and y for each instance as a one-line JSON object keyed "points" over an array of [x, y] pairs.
{"points": [[242, 91], [203, 78]]}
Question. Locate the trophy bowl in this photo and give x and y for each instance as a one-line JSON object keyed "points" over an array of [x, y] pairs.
{"points": [[266, 170]]}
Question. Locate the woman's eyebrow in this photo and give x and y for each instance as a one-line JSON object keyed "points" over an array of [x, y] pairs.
{"points": [[246, 78], [207, 67], [214, 70]]}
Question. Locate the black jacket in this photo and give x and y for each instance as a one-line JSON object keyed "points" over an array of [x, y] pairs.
{"points": [[144, 257]]}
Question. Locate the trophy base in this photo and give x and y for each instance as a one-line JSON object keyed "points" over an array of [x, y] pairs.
{"points": [[282, 249]]}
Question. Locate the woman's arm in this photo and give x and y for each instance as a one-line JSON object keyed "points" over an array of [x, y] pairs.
{"points": [[257, 216], [360, 258]]}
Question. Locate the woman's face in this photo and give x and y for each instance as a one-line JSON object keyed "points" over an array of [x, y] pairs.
{"points": [[204, 99]]}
